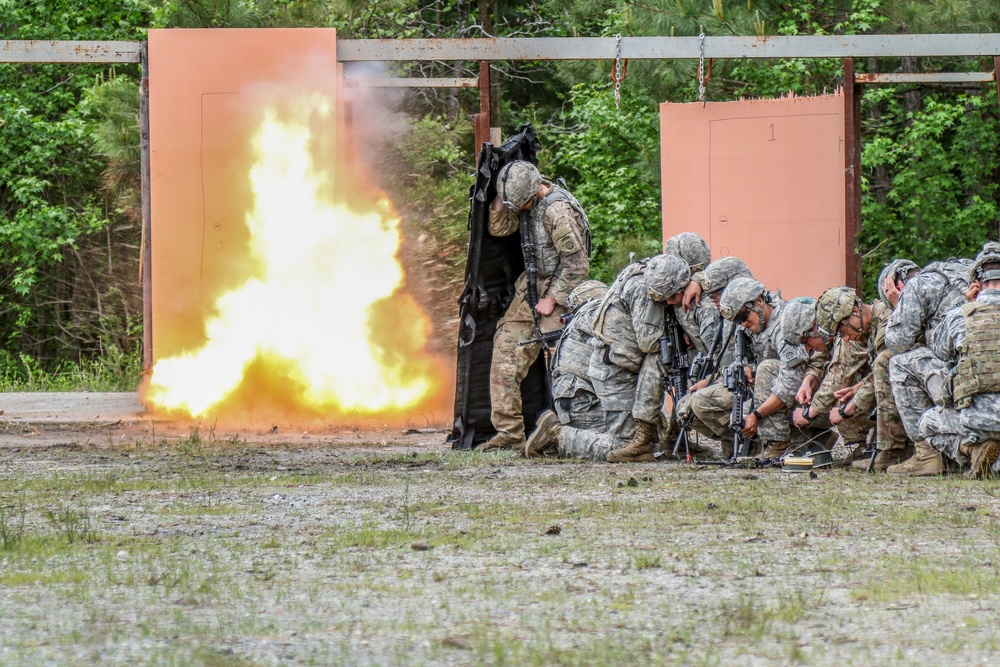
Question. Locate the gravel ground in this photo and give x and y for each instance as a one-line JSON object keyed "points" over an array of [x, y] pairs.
{"points": [[148, 543]]}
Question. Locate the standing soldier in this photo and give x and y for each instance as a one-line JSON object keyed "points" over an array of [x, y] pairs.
{"points": [[560, 242]]}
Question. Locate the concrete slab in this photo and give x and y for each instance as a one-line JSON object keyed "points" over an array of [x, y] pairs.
{"points": [[68, 407]]}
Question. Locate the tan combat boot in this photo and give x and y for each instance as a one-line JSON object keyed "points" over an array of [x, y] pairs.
{"points": [[640, 448], [545, 438], [774, 450], [503, 441], [982, 455], [884, 459], [925, 461]]}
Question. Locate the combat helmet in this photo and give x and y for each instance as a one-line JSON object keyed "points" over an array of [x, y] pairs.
{"points": [[586, 291], [721, 272], [518, 182], [990, 254], [797, 320], [899, 269], [833, 307], [665, 276], [740, 294], [691, 248]]}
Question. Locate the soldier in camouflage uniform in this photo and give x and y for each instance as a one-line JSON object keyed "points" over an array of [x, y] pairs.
{"points": [[967, 429], [573, 393], [624, 367], [779, 372], [698, 323], [561, 237], [858, 329], [711, 282], [893, 444], [920, 379]]}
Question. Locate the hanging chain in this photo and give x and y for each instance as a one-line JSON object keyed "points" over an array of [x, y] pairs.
{"points": [[616, 75], [701, 69]]}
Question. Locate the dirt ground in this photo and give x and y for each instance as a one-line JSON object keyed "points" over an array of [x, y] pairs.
{"points": [[151, 543]]}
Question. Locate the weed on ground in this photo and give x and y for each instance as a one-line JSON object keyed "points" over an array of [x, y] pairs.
{"points": [[206, 550]]}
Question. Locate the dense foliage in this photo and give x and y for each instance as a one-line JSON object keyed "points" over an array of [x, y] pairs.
{"points": [[69, 168]]}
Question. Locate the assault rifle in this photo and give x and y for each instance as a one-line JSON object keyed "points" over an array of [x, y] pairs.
{"points": [[736, 380], [531, 293], [706, 364], [550, 338], [704, 367], [676, 363], [674, 355]]}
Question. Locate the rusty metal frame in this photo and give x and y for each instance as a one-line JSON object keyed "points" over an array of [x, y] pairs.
{"points": [[846, 47]]}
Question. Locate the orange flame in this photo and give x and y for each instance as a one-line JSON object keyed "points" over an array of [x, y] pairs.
{"points": [[323, 325]]}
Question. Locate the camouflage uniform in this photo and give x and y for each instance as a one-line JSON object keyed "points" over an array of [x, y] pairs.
{"points": [[920, 379], [780, 370], [974, 415], [559, 233], [848, 366], [698, 323], [575, 400], [623, 367]]}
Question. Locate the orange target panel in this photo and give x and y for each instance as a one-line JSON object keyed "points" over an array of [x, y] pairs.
{"points": [[207, 89], [762, 180]]}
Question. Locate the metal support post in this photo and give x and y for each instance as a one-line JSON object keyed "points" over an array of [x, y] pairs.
{"points": [[852, 171], [482, 119], [146, 248]]}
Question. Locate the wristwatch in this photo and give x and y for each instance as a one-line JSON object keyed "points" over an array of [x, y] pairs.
{"points": [[757, 414], [842, 411]]}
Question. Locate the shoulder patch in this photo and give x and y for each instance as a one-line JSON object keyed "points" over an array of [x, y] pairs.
{"points": [[566, 240]]}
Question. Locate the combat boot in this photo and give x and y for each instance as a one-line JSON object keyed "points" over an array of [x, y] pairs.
{"points": [[884, 459], [545, 438], [503, 441], [982, 456], [925, 461], [774, 450], [639, 449]]}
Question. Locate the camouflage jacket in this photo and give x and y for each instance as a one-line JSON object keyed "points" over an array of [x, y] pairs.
{"points": [[558, 235], [851, 363], [628, 321], [571, 360], [699, 323], [926, 298], [793, 360]]}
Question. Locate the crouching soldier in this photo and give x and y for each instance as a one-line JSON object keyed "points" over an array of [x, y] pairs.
{"points": [[828, 393], [967, 429], [624, 367], [779, 372]]}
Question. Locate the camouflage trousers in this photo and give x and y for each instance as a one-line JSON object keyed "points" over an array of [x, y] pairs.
{"points": [[593, 444], [946, 428], [616, 389], [888, 426], [511, 363], [853, 430], [919, 382], [627, 395], [582, 410], [713, 404]]}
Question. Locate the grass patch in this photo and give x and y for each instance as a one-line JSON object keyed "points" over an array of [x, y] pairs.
{"points": [[961, 575]]}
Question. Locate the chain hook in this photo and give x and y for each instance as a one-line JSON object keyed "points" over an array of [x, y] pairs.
{"points": [[619, 71], [701, 70]]}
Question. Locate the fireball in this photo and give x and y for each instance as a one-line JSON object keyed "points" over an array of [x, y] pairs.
{"points": [[323, 325]]}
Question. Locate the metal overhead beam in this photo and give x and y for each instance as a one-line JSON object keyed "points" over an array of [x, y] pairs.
{"points": [[68, 51], [925, 77], [667, 48], [564, 48], [414, 82]]}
